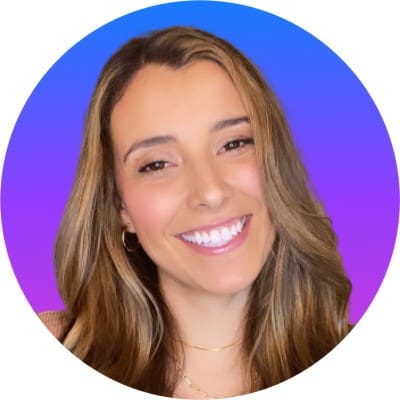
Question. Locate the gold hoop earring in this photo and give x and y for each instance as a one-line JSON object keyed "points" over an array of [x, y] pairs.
{"points": [[127, 248]]}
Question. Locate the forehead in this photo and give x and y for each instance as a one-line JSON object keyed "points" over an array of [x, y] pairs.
{"points": [[159, 95]]}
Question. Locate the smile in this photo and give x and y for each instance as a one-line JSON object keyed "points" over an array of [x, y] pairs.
{"points": [[218, 239]]}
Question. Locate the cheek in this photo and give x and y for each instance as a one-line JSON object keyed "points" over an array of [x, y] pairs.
{"points": [[150, 209], [246, 178]]}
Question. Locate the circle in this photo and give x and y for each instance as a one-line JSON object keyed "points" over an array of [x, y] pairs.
{"points": [[336, 126]]}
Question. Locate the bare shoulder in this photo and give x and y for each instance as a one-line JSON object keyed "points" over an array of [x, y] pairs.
{"points": [[57, 322]]}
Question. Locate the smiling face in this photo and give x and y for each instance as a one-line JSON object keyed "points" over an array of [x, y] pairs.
{"points": [[188, 179]]}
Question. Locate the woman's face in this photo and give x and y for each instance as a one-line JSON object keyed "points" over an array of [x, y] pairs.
{"points": [[188, 179]]}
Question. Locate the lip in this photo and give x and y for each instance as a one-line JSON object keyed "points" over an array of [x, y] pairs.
{"points": [[225, 248]]}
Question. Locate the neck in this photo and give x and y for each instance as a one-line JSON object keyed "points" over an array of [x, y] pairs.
{"points": [[212, 321], [206, 319]]}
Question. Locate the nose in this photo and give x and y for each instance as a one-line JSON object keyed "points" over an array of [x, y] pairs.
{"points": [[208, 186]]}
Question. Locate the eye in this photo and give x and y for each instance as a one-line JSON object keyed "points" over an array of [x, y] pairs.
{"points": [[153, 166], [236, 144]]}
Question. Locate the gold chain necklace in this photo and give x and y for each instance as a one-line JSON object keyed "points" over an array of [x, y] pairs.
{"points": [[215, 349], [195, 387], [201, 391]]}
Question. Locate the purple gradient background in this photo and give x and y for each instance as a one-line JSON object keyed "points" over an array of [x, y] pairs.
{"points": [[335, 124]]}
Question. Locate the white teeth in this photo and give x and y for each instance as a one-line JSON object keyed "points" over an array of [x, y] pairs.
{"points": [[197, 236], [226, 234], [205, 237], [239, 226], [217, 237], [189, 238], [234, 230]]}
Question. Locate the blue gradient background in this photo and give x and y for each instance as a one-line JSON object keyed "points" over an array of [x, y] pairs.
{"points": [[336, 126]]}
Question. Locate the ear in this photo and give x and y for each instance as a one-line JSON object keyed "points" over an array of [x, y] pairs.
{"points": [[126, 220]]}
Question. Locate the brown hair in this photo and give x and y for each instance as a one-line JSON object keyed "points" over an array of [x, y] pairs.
{"points": [[298, 305]]}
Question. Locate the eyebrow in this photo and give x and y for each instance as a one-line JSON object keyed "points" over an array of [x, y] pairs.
{"points": [[149, 142], [163, 139], [227, 123]]}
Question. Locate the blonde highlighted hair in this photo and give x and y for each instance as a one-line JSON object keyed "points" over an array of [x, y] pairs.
{"points": [[119, 322]]}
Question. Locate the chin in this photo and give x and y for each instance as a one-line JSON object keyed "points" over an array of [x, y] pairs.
{"points": [[231, 286]]}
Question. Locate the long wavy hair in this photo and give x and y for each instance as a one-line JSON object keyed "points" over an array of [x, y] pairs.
{"points": [[120, 325]]}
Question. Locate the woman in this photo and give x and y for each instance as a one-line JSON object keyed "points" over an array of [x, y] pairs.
{"points": [[192, 259]]}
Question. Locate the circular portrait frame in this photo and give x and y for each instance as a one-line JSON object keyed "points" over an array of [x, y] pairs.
{"points": [[321, 95]]}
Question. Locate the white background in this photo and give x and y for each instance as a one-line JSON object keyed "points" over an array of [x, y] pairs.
{"points": [[34, 34]]}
